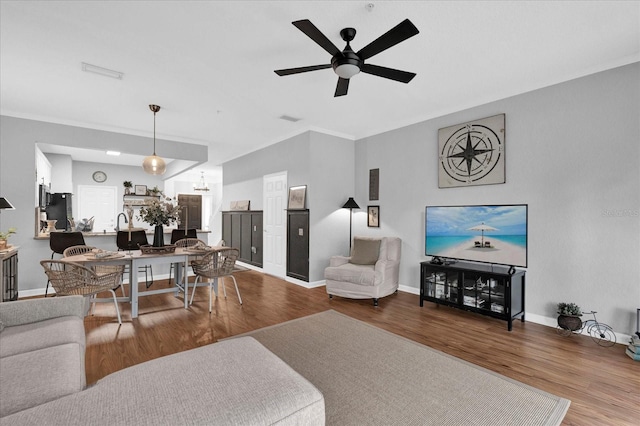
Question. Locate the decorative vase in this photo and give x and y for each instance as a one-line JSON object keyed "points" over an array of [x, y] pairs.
{"points": [[127, 191], [158, 236], [3, 244], [570, 322]]}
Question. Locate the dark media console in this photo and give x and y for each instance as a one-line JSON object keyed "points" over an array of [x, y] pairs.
{"points": [[492, 290]]}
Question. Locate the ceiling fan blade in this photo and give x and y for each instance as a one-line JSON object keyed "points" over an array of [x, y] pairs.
{"points": [[395, 35], [290, 71], [390, 73], [342, 87], [314, 34]]}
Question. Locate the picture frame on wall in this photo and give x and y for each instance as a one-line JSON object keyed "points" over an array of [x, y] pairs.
{"points": [[472, 153], [140, 190], [297, 197], [373, 216]]}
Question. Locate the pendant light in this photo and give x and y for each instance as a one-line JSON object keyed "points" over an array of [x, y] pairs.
{"points": [[153, 164], [202, 185]]}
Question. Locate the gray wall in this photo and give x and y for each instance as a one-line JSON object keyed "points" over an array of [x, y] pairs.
{"points": [[18, 138], [572, 155], [322, 162]]}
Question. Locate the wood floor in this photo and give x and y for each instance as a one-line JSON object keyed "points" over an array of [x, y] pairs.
{"points": [[603, 384]]}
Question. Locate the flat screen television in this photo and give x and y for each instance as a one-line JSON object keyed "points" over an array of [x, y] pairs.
{"points": [[483, 233]]}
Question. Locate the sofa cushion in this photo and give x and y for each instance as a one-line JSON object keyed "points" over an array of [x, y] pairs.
{"points": [[233, 382], [365, 251], [355, 274], [39, 335], [32, 378]]}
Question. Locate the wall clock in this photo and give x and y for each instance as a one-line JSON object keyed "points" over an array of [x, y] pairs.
{"points": [[99, 176], [472, 153]]}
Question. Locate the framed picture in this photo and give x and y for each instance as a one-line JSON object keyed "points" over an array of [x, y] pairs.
{"points": [[297, 196], [240, 205], [374, 184], [373, 216], [472, 153], [141, 189]]}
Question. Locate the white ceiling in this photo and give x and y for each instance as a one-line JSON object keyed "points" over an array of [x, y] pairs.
{"points": [[210, 64]]}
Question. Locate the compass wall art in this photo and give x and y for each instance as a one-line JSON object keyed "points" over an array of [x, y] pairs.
{"points": [[472, 153]]}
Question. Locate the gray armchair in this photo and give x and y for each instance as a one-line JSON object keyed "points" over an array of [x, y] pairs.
{"points": [[371, 271]]}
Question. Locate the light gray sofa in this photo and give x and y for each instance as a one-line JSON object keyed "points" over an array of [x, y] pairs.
{"points": [[372, 270], [233, 382]]}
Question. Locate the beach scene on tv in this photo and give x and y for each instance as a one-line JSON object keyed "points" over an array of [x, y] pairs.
{"points": [[491, 234]]}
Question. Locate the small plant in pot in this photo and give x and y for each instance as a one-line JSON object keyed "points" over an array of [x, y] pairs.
{"points": [[569, 316], [4, 236], [127, 186]]}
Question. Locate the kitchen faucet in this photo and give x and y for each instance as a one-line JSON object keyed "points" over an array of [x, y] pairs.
{"points": [[118, 221]]}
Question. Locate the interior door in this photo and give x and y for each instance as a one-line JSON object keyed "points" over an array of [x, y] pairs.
{"points": [[100, 203], [275, 218]]}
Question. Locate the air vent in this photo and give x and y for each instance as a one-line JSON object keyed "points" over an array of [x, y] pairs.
{"points": [[289, 118]]}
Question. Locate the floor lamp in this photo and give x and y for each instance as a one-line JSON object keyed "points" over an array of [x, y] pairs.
{"points": [[350, 204]]}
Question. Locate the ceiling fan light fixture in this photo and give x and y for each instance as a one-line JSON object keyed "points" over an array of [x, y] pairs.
{"points": [[153, 164], [347, 70]]}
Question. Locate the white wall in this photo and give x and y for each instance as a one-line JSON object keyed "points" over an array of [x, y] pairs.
{"points": [[572, 155]]}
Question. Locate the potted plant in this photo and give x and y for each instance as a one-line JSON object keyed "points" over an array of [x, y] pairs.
{"points": [[127, 186], [159, 212], [569, 316], [4, 236]]}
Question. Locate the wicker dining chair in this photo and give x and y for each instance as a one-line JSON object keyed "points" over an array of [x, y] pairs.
{"points": [[216, 264], [99, 269], [187, 243], [73, 279]]}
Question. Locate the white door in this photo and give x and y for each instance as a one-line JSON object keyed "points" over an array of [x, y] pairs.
{"points": [[99, 202], [274, 261]]}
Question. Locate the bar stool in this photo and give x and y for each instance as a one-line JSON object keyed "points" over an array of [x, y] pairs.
{"points": [[59, 242], [126, 240]]}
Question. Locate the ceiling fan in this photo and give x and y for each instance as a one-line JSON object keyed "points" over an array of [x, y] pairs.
{"points": [[347, 63]]}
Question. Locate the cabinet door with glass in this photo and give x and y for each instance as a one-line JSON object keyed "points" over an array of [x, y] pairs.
{"points": [[441, 285], [484, 291]]}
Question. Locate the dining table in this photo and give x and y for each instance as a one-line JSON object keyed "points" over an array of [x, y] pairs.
{"points": [[135, 259]]}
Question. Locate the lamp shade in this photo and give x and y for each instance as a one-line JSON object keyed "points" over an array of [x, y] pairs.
{"points": [[154, 165], [5, 204], [351, 204]]}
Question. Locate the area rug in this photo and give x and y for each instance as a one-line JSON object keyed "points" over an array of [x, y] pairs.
{"points": [[369, 376]]}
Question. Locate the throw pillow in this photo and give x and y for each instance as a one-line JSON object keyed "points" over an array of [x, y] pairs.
{"points": [[365, 251]]}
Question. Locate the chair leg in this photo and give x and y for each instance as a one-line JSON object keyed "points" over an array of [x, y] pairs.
{"points": [[195, 285], [237, 291], [115, 302], [375, 302], [224, 290], [210, 291]]}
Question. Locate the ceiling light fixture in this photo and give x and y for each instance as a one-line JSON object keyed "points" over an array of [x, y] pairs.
{"points": [[153, 164], [102, 71], [202, 185], [114, 153]]}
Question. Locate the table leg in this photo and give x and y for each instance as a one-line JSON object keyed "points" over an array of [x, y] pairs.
{"points": [[133, 279]]}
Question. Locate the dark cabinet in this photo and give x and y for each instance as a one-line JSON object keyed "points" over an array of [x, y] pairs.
{"points": [[298, 244], [486, 289], [9, 274], [243, 230]]}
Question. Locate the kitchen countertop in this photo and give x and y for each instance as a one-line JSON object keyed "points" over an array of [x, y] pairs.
{"points": [[45, 236]]}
